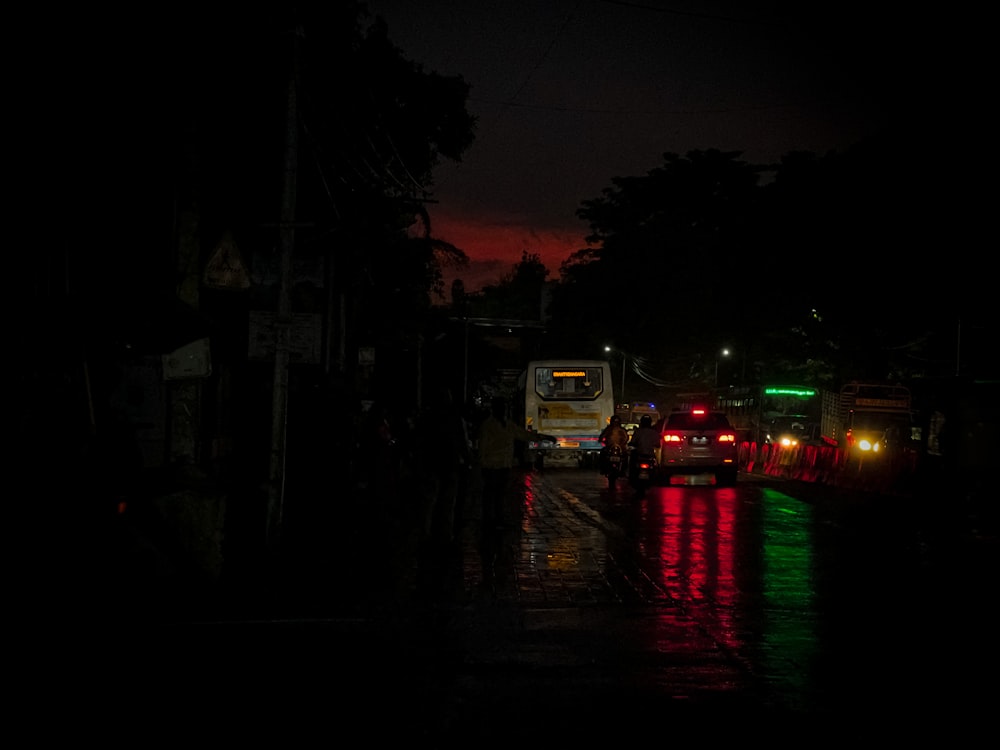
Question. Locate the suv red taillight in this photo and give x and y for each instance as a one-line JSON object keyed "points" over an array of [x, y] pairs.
{"points": [[672, 437], [727, 437]]}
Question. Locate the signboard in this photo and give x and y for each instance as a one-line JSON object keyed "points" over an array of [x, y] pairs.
{"points": [[304, 337], [189, 361], [789, 390], [225, 269], [882, 403], [567, 416]]}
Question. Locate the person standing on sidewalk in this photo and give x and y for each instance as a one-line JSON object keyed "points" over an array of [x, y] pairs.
{"points": [[443, 457], [498, 436]]}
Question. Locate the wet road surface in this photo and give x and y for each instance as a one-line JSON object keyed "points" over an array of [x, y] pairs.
{"points": [[723, 610]]}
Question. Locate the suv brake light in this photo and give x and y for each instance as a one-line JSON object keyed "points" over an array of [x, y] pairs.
{"points": [[727, 437], [671, 437]]}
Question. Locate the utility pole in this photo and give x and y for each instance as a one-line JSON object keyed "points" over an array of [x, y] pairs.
{"points": [[624, 360], [283, 321]]}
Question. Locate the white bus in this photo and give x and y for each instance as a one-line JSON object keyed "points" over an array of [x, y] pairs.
{"points": [[571, 400]]}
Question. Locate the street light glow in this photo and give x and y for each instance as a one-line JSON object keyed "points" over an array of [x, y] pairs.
{"points": [[723, 353], [621, 395]]}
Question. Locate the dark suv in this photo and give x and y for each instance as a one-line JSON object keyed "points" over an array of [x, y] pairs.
{"points": [[698, 441]]}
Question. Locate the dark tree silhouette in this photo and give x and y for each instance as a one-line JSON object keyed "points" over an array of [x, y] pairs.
{"points": [[809, 274], [518, 294], [662, 247]]}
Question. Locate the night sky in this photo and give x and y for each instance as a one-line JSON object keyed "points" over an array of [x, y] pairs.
{"points": [[570, 94]]}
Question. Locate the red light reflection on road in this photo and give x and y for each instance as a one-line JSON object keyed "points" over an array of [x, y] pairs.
{"points": [[690, 532], [529, 494]]}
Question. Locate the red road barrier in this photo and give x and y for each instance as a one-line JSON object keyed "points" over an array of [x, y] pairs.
{"points": [[889, 473]]}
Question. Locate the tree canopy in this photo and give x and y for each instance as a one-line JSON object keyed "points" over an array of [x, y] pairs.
{"points": [[799, 267], [195, 139]]}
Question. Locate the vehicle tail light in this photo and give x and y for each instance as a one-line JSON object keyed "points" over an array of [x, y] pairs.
{"points": [[672, 437], [727, 437]]}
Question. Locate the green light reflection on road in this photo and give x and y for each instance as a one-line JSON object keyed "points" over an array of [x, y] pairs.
{"points": [[789, 635]]}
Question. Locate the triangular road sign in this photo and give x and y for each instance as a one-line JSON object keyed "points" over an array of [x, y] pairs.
{"points": [[225, 269]]}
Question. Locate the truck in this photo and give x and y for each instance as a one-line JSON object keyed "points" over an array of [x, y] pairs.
{"points": [[869, 418], [789, 415]]}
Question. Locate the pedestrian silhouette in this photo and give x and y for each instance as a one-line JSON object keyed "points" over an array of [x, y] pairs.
{"points": [[443, 458], [497, 440]]}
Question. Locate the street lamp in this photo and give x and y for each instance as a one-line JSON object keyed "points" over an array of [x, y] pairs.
{"points": [[621, 393], [724, 353]]}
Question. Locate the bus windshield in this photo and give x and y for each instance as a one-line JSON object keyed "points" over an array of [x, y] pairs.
{"points": [[561, 383]]}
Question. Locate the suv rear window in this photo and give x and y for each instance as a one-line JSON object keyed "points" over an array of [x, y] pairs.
{"points": [[687, 421]]}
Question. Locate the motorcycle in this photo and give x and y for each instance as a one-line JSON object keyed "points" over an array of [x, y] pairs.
{"points": [[613, 464], [642, 473]]}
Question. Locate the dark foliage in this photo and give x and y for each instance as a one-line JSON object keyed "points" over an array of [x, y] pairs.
{"points": [[808, 269]]}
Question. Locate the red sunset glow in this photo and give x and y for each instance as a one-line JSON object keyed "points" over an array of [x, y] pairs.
{"points": [[494, 247]]}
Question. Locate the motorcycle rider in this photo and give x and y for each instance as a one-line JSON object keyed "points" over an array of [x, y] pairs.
{"points": [[645, 439], [613, 436]]}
